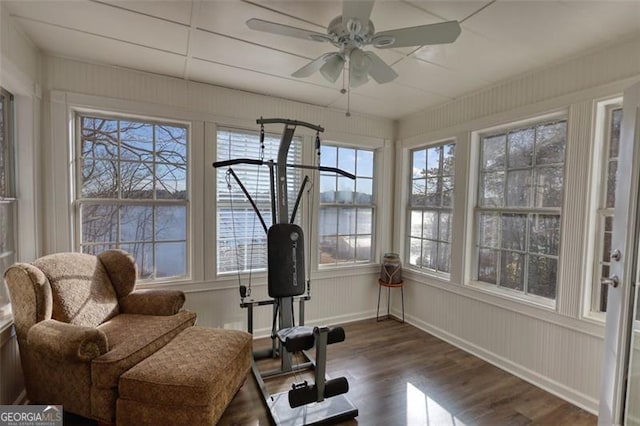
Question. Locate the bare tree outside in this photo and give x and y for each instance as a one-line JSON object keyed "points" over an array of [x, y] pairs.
{"points": [[431, 207], [8, 202], [520, 197], [133, 192], [606, 208]]}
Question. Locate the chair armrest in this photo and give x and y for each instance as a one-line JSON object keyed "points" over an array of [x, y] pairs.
{"points": [[67, 341], [152, 302]]}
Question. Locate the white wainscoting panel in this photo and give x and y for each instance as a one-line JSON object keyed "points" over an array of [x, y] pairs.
{"points": [[333, 301], [562, 361]]}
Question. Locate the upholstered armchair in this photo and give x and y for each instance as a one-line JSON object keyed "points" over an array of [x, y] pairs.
{"points": [[81, 324]]}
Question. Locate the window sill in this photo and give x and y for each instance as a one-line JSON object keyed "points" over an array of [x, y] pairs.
{"points": [[142, 284], [516, 296], [354, 269], [419, 274], [232, 277], [595, 317]]}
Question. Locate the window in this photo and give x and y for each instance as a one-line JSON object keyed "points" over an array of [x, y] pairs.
{"points": [[431, 207], [346, 206], [132, 192], [517, 218], [7, 195], [606, 205], [241, 244]]}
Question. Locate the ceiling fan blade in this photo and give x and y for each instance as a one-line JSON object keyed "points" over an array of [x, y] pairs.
{"points": [[313, 66], [379, 70], [356, 9], [285, 30], [443, 32]]}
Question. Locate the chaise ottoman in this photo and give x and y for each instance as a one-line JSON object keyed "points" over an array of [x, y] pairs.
{"points": [[190, 381]]}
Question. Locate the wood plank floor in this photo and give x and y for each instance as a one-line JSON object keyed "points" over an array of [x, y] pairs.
{"points": [[400, 375]]}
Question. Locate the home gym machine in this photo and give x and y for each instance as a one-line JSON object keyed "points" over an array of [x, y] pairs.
{"points": [[323, 401]]}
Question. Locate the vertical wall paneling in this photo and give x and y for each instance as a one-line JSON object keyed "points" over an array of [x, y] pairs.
{"points": [[57, 168], [572, 270], [80, 77], [459, 230], [576, 74], [333, 301], [17, 53], [402, 162], [560, 360], [557, 350], [386, 198], [20, 75], [209, 188], [198, 169]]}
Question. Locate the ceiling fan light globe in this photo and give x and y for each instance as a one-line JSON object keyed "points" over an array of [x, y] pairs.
{"points": [[359, 64], [332, 68], [357, 80], [359, 60]]}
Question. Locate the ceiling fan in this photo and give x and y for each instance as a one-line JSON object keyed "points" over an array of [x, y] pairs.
{"points": [[350, 33]]}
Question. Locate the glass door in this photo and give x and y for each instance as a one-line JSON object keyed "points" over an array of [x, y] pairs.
{"points": [[620, 389]]}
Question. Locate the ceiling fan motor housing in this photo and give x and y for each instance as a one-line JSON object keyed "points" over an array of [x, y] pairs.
{"points": [[353, 34]]}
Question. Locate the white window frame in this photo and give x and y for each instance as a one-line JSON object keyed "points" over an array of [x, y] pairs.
{"points": [[78, 201], [372, 206], [472, 249], [599, 176], [445, 275], [8, 198], [257, 231]]}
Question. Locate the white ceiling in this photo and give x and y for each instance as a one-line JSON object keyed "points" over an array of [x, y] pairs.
{"points": [[208, 41]]}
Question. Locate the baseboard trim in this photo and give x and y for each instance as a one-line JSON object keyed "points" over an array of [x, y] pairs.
{"points": [[560, 390]]}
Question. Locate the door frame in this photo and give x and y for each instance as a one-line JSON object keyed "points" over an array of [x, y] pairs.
{"points": [[626, 225]]}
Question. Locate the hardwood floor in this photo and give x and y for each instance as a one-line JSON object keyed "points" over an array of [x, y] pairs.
{"points": [[400, 375]]}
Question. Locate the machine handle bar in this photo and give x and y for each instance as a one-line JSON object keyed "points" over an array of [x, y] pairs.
{"points": [[289, 122], [252, 161]]}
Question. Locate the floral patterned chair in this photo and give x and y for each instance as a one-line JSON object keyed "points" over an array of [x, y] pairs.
{"points": [[81, 324]]}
